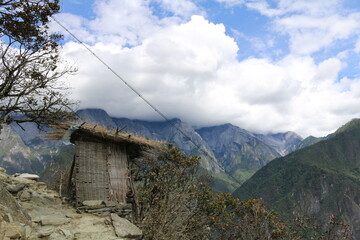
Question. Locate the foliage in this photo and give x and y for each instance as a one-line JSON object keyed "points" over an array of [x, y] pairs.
{"points": [[30, 65], [172, 203], [305, 228], [229, 218], [166, 193]]}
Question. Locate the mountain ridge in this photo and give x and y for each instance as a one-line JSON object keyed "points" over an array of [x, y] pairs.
{"points": [[318, 180], [242, 155]]}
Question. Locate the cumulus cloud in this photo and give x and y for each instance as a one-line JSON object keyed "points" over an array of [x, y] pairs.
{"points": [[188, 68], [310, 34], [312, 25]]}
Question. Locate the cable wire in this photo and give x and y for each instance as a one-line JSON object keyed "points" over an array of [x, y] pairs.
{"points": [[147, 101]]}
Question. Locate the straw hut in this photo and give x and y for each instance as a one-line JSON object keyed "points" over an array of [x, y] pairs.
{"points": [[100, 170]]}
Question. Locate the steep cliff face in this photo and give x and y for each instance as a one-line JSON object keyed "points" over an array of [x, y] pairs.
{"points": [[318, 180], [15, 156], [24, 149], [240, 152], [167, 132], [283, 143]]}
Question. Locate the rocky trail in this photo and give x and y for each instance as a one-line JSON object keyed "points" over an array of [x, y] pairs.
{"points": [[28, 210]]}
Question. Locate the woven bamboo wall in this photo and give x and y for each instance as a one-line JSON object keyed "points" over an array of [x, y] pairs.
{"points": [[118, 172], [101, 171]]}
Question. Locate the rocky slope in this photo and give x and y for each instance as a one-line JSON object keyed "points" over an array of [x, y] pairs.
{"points": [[167, 132], [16, 156], [24, 149], [318, 180], [28, 210], [238, 151], [283, 143]]}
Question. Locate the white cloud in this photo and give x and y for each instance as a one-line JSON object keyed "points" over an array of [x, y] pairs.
{"points": [[310, 34], [75, 24], [311, 25], [128, 21], [189, 69]]}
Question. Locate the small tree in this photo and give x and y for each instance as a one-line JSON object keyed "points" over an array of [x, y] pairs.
{"points": [[166, 193], [30, 66]]}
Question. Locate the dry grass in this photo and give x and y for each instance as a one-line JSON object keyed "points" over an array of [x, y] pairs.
{"points": [[60, 128]]}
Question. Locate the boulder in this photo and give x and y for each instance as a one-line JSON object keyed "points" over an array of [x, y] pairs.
{"points": [[45, 231], [65, 232], [15, 188], [124, 228], [29, 176], [13, 231], [55, 221], [8, 218], [91, 203], [38, 186], [8, 205], [25, 195]]}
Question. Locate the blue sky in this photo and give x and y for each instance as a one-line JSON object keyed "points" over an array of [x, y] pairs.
{"points": [[263, 65]]}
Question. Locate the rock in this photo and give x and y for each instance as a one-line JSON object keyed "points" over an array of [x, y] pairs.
{"points": [[2, 170], [45, 200], [124, 228], [29, 176], [27, 232], [15, 188], [110, 203], [38, 186], [65, 232], [21, 180], [8, 218], [14, 231], [56, 221], [56, 236], [45, 231], [73, 215], [9, 205], [91, 203], [4, 177], [25, 195]]}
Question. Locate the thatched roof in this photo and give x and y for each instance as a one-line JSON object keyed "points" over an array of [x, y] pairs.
{"points": [[66, 132]]}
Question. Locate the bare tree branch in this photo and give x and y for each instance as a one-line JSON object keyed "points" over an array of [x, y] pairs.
{"points": [[30, 66]]}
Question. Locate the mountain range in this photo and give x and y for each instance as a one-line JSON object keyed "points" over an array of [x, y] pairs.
{"points": [[231, 154], [316, 181], [314, 177]]}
